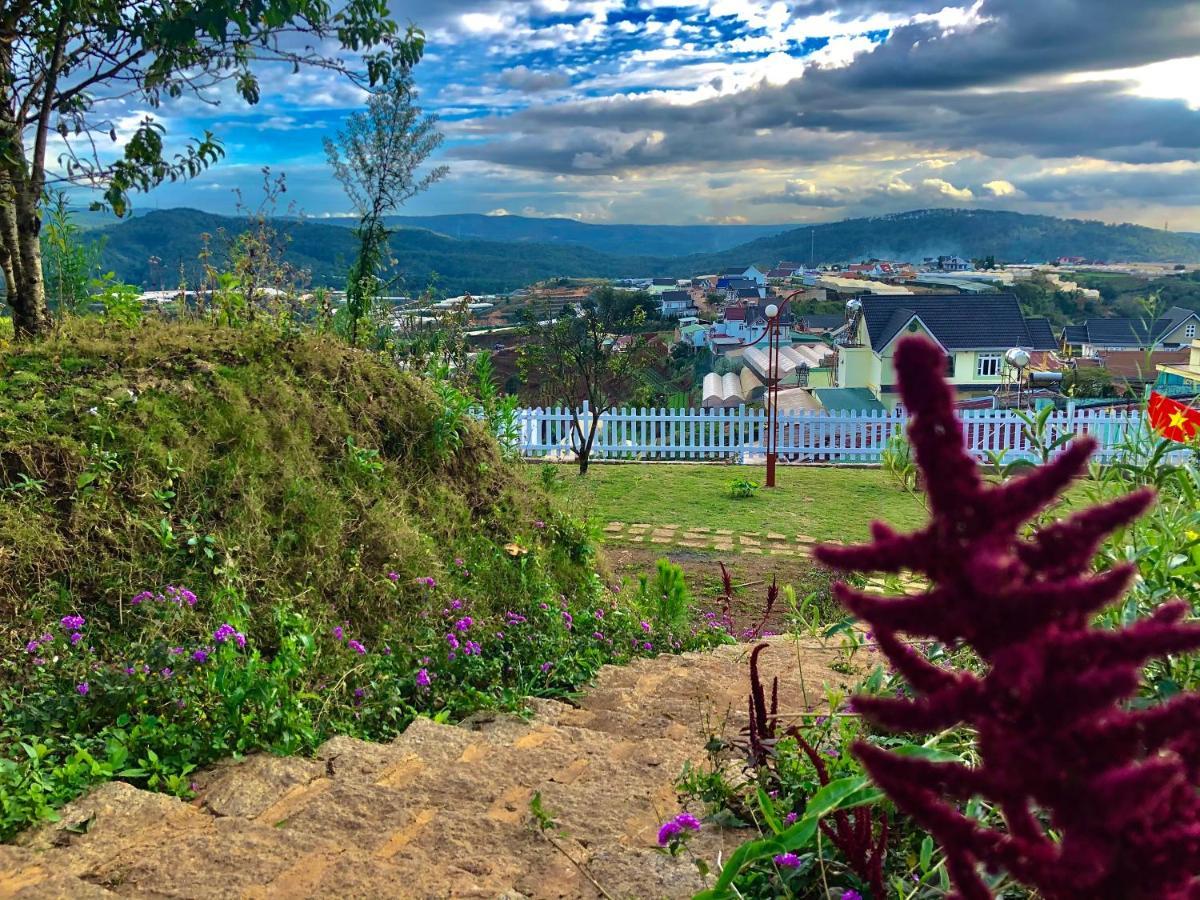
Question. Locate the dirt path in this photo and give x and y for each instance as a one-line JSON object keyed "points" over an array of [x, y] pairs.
{"points": [[442, 811]]}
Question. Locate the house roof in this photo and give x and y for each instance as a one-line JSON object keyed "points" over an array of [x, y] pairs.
{"points": [[846, 399], [1131, 332], [675, 297], [747, 293], [1133, 365], [735, 270], [781, 273], [742, 283], [957, 321], [735, 314], [1075, 334], [662, 282], [822, 322]]}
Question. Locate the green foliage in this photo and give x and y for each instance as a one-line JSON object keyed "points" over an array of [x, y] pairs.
{"points": [[743, 488], [119, 301], [666, 598], [897, 460], [69, 261]]}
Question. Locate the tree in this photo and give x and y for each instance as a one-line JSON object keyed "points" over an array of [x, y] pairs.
{"points": [[375, 159], [68, 67], [579, 358]]}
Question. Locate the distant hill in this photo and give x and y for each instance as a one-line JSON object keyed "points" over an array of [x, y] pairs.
{"points": [[325, 250], [619, 240], [485, 265], [1010, 237]]}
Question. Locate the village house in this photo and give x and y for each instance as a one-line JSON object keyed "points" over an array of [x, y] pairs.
{"points": [[673, 304], [743, 289], [660, 286], [747, 273], [973, 331], [1174, 329], [1182, 377]]}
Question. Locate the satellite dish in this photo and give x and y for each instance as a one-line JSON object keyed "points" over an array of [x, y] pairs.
{"points": [[1017, 358]]}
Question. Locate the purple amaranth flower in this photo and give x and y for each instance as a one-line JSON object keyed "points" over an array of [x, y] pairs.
{"points": [[200, 656], [180, 596], [72, 623], [456, 604], [459, 562], [788, 861], [423, 678], [145, 669], [428, 581], [83, 687], [339, 632], [356, 647], [513, 618], [452, 656], [359, 693], [464, 623]]}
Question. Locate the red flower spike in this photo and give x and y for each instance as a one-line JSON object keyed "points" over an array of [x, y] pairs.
{"points": [[1098, 800]]}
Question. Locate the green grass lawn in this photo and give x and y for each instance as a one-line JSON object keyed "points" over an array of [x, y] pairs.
{"points": [[826, 504]]}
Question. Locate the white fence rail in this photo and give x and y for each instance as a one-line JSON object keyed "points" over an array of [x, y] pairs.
{"points": [[738, 435]]}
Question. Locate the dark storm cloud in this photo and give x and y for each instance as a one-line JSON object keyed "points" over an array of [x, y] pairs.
{"points": [[1096, 189]]}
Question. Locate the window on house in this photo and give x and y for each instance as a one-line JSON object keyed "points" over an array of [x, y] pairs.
{"points": [[987, 365], [950, 366], [1189, 330]]}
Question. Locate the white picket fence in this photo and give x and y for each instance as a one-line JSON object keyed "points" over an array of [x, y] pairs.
{"points": [[738, 435]]}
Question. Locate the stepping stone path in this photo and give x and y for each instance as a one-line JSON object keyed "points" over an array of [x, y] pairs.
{"points": [[441, 811], [721, 539]]}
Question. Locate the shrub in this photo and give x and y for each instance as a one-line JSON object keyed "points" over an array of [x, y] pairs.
{"points": [[742, 488], [1098, 800]]}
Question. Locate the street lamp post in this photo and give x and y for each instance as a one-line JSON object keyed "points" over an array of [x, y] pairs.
{"points": [[773, 379]]}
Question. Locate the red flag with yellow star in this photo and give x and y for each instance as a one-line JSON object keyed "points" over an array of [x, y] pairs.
{"points": [[1172, 419]]}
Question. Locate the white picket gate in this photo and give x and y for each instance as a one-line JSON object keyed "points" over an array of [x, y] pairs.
{"points": [[738, 435]]}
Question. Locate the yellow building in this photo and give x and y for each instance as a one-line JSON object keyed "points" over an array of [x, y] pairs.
{"points": [[975, 331], [1182, 376]]}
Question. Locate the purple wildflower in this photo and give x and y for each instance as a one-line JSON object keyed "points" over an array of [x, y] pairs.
{"points": [[452, 641], [393, 576], [167, 672], [646, 626], [647, 646], [669, 830], [39, 661], [568, 620], [599, 614], [83, 688], [790, 819], [32, 647], [141, 598], [463, 624], [72, 623], [357, 647], [339, 632], [472, 649], [46, 638], [790, 861], [598, 635], [539, 524], [199, 656], [423, 678], [547, 666]]}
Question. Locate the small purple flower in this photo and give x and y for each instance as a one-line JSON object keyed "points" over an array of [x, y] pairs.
{"points": [[357, 647], [568, 620], [464, 623], [39, 661], [513, 618], [452, 641], [423, 678], [359, 693], [199, 656], [167, 673], [790, 819], [646, 626], [226, 632], [175, 651], [831, 752], [180, 704], [669, 830], [647, 646], [82, 688], [32, 647], [599, 614], [687, 820], [598, 635], [452, 656], [456, 604], [546, 666], [394, 576], [428, 581], [459, 562], [539, 524], [790, 861], [472, 649], [75, 638], [851, 894], [141, 598], [46, 638], [129, 670], [72, 623], [339, 632]]}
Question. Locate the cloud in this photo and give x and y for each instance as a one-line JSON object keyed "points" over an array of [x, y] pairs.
{"points": [[522, 78], [943, 188], [1000, 188]]}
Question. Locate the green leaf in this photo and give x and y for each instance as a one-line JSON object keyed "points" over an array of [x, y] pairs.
{"points": [[926, 853]]}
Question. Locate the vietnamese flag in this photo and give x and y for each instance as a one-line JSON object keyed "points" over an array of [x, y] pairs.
{"points": [[1172, 419]]}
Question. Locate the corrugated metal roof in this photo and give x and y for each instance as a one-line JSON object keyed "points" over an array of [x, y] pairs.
{"points": [[848, 399]]}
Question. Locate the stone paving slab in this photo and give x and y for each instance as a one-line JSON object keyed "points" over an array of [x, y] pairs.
{"points": [[724, 540]]}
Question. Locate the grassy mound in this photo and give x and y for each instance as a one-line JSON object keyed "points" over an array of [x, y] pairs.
{"points": [[191, 455], [215, 541]]}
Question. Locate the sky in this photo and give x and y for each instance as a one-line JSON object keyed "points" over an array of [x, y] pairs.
{"points": [[759, 111]]}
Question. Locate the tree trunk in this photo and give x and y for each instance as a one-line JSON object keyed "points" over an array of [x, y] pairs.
{"points": [[31, 315]]}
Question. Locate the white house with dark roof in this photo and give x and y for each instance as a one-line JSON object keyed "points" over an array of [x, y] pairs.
{"points": [[973, 331], [748, 273], [673, 304], [1173, 330]]}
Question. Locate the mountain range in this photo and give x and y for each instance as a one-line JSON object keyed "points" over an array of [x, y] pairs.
{"points": [[490, 254]]}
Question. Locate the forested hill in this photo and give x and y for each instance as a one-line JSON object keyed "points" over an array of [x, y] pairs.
{"points": [[174, 237], [619, 240], [1008, 236]]}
